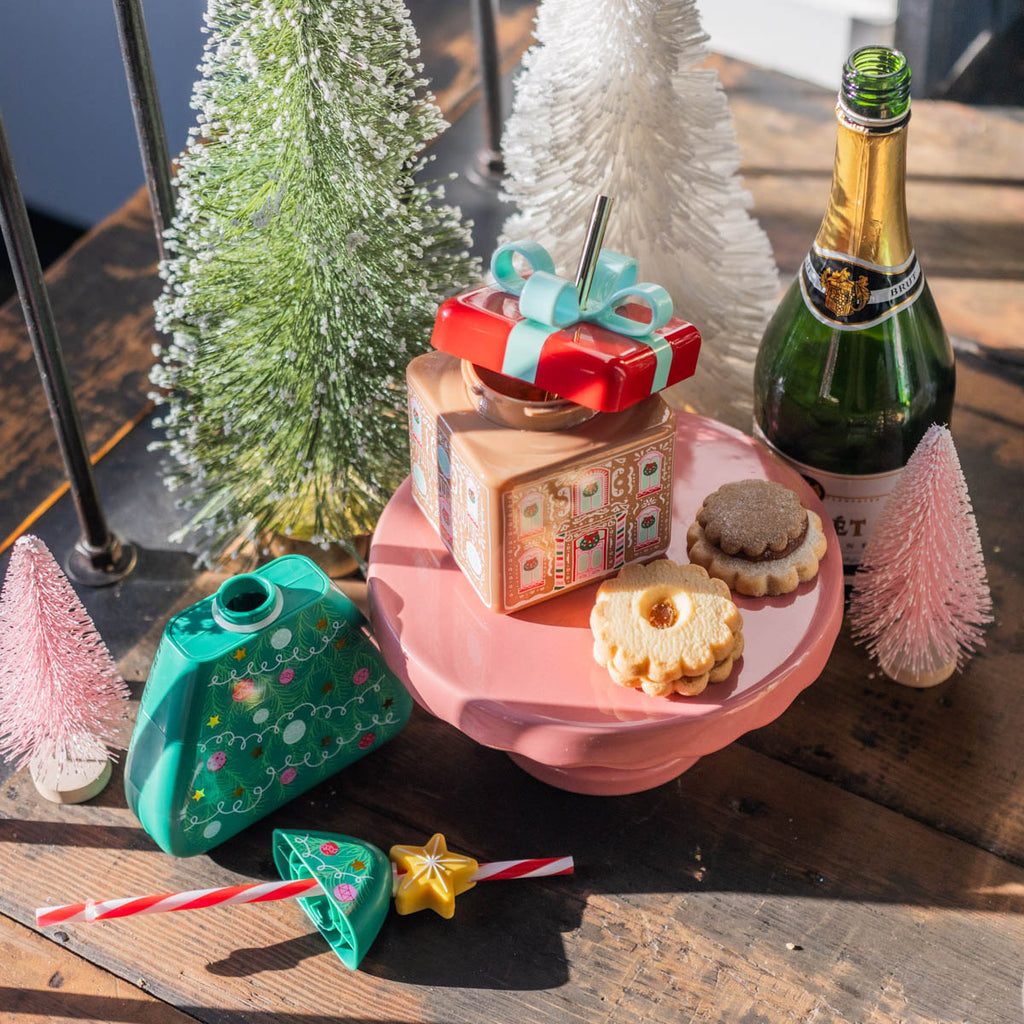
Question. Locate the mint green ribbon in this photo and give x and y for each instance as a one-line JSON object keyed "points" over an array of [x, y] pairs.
{"points": [[550, 303]]}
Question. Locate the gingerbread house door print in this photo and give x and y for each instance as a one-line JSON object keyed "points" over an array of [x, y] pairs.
{"points": [[647, 527], [590, 554], [650, 472]]}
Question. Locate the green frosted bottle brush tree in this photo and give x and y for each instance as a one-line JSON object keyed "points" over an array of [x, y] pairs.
{"points": [[305, 265]]}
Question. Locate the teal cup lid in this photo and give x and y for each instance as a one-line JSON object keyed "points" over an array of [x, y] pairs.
{"points": [[356, 880], [246, 603]]}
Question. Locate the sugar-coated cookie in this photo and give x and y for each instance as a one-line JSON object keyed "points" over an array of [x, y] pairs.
{"points": [[757, 538], [665, 628]]}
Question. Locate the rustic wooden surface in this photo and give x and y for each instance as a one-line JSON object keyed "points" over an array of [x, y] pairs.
{"points": [[859, 861]]}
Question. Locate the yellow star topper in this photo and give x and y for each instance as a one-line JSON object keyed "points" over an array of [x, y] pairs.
{"points": [[431, 877]]}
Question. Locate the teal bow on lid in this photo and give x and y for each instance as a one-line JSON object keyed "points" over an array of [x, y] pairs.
{"points": [[550, 303]]}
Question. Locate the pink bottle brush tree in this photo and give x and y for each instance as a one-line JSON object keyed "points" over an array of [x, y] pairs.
{"points": [[62, 702], [920, 597]]}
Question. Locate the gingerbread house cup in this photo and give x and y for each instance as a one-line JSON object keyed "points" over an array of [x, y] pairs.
{"points": [[532, 489]]}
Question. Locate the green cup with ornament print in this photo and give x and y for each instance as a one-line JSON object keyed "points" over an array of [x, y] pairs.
{"points": [[256, 694]]}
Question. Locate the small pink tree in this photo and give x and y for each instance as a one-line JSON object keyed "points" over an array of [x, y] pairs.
{"points": [[921, 597], [59, 690]]}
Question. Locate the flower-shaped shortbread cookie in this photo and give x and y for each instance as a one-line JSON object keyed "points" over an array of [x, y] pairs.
{"points": [[665, 628]]}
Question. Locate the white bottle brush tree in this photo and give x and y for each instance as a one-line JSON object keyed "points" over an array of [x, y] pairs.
{"points": [[920, 596], [612, 100], [306, 263], [62, 701]]}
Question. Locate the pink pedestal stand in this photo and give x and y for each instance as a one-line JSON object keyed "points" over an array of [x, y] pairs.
{"points": [[527, 683]]}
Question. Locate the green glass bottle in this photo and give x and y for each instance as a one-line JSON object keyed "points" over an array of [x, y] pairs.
{"points": [[855, 365]]}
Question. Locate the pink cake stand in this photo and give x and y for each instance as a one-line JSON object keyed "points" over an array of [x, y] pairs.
{"points": [[527, 683]]}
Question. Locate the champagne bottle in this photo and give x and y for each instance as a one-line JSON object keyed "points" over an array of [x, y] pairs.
{"points": [[855, 364]]}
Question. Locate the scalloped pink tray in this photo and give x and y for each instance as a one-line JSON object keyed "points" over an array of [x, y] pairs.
{"points": [[527, 683]]}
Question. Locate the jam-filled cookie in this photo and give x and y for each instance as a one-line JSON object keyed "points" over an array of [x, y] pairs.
{"points": [[665, 628], [756, 537]]}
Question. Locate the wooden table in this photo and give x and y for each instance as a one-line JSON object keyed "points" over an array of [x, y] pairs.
{"points": [[859, 860]]}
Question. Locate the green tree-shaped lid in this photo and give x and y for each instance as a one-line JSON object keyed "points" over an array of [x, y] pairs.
{"points": [[356, 880]]}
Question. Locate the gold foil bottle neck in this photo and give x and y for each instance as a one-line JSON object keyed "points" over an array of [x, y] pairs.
{"points": [[866, 215]]}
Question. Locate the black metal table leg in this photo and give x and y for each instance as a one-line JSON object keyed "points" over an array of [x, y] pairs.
{"points": [[149, 122], [99, 557]]}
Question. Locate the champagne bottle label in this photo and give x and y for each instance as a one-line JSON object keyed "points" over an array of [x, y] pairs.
{"points": [[850, 294], [853, 503]]}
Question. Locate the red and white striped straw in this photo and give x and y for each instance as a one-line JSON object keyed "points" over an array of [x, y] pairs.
{"points": [[195, 899], [498, 870], [262, 892]]}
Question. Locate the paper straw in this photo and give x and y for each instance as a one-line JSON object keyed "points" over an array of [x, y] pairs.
{"points": [[262, 892]]}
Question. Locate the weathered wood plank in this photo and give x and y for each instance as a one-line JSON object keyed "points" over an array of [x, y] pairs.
{"points": [[102, 293], [42, 982], [684, 902]]}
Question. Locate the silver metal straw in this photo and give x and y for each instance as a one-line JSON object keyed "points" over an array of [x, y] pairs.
{"points": [[592, 246]]}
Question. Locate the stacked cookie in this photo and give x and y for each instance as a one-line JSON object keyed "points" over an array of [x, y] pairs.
{"points": [[756, 537], [666, 628]]}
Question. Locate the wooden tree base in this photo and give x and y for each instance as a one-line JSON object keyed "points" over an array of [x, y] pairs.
{"points": [[921, 680], [335, 560], [65, 780]]}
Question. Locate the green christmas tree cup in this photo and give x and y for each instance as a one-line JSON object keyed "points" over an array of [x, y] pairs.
{"points": [[255, 695]]}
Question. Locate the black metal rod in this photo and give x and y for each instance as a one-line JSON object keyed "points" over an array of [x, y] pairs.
{"points": [[485, 22], [149, 122], [42, 329]]}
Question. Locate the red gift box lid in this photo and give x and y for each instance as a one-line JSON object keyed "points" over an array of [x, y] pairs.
{"points": [[585, 362]]}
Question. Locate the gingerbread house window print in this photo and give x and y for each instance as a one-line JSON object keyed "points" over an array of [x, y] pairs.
{"points": [[531, 569], [591, 491], [444, 463], [416, 420], [473, 500], [647, 527], [650, 472], [531, 514], [590, 554]]}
